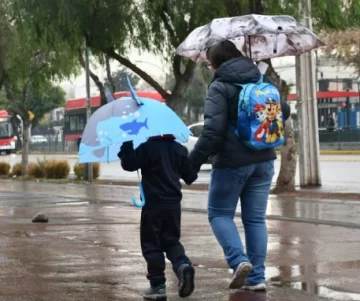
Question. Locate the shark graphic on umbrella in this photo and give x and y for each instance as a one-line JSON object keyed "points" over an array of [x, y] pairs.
{"points": [[128, 119]]}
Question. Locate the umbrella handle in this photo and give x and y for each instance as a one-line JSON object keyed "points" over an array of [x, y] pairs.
{"points": [[134, 200], [142, 201]]}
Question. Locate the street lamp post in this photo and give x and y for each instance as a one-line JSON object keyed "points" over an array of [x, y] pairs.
{"points": [[88, 109], [309, 150]]}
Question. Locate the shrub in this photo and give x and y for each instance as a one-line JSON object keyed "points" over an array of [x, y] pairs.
{"points": [[34, 170], [4, 169], [16, 169], [42, 165], [57, 169], [80, 168]]}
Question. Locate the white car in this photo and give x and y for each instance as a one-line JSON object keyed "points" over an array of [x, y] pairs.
{"points": [[195, 129], [195, 133], [37, 139]]}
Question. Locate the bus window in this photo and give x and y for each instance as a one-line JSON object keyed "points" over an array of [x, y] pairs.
{"points": [[73, 123], [81, 123]]}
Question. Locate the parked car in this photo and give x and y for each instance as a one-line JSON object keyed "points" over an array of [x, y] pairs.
{"points": [[195, 133], [38, 139], [195, 129]]}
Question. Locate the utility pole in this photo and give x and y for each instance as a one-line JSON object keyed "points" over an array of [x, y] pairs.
{"points": [[89, 166], [309, 150]]}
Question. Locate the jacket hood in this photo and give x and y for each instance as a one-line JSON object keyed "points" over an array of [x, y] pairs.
{"points": [[240, 70]]}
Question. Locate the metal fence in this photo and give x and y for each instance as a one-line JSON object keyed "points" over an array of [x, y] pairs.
{"points": [[337, 139], [50, 147], [347, 138]]}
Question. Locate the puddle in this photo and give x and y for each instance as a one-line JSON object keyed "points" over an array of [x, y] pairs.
{"points": [[71, 203], [274, 276], [337, 295], [320, 290]]}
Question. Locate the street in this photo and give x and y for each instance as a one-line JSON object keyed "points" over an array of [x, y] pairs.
{"points": [[90, 248], [335, 170]]}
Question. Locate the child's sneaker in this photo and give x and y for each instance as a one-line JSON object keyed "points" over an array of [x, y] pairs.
{"points": [[261, 287], [240, 275], [155, 293], [186, 273]]}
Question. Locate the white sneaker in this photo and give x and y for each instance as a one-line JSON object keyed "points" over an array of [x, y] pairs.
{"points": [[261, 287], [240, 275]]}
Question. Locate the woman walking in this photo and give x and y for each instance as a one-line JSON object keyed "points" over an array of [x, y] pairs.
{"points": [[238, 171]]}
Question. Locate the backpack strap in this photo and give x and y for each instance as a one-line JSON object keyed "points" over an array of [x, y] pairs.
{"points": [[261, 80]]}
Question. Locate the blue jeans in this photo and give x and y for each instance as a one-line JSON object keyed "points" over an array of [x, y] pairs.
{"points": [[252, 185]]}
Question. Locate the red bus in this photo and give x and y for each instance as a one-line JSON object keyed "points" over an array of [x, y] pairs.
{"points": [[7, 133], [75, 114]]}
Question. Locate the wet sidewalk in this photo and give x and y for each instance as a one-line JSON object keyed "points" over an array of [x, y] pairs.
{"points": [[334, 177], [307, 210], [90, 251]]}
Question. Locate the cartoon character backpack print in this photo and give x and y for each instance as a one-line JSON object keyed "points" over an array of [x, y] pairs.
{"points": [[260, 120]]}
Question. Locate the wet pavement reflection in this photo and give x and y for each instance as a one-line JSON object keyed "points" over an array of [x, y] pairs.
{"points": [[321, 211], [90, 251], [332, 170], [248, 296]]}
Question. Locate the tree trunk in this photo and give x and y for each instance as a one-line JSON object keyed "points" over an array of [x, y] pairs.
{"points": [[108, 74], [94, 77], [146, 77], [25, 146], [182, 79], [188, 114], [286, 179]]}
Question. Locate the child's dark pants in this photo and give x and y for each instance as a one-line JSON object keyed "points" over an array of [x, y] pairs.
{"points": [[159, 234]]}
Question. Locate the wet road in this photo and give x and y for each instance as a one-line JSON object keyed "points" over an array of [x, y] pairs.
{"points": [[336, 170], [319, 211], [90, 251]]}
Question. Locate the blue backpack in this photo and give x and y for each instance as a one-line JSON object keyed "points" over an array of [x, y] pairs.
{"points": [[260, 123]]}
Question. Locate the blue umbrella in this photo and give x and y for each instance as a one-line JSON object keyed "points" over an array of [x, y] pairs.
{"points": [[128, 119]]}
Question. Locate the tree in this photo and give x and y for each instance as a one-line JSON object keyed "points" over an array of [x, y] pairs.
{"points": [[194, 96], [344, 46], [28, 68], [111, 29], [117, 80]]}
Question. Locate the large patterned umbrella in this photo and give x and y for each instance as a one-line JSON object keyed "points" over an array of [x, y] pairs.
{"points": [[257, 36]]}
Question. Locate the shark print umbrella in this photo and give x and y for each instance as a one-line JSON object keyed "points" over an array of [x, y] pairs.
{"points": [[256, 36], [127, 119]]}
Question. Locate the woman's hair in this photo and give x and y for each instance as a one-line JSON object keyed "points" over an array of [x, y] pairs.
{"points": [[220, 53]]}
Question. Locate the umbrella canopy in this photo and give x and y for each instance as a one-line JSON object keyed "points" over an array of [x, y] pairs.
{"points": [[127, 119], [257, 36]]}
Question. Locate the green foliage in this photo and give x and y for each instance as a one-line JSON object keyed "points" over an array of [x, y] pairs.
{"points": [[344, 46], [168, 22], [104, 23], [158, 26]]}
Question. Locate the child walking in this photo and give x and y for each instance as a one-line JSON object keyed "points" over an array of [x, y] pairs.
{"points": [[163, 162]]}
